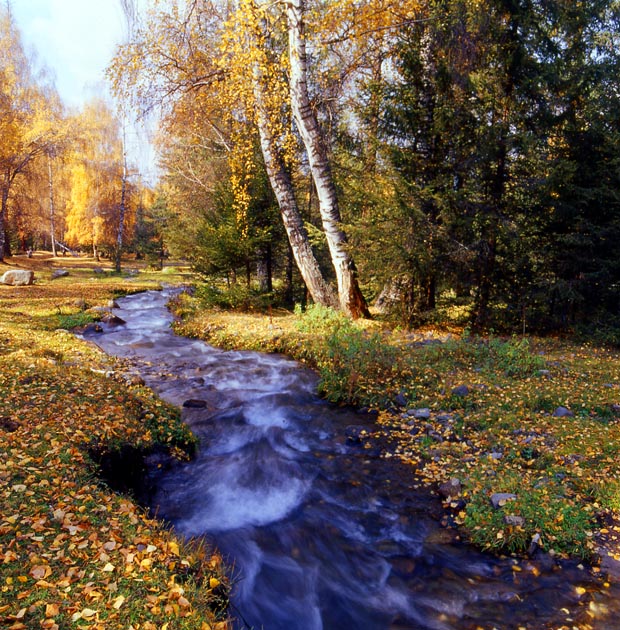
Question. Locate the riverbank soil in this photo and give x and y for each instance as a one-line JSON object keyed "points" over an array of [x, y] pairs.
{"points": [[74, 553]]}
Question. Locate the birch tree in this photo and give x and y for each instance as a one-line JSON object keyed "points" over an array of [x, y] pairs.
{"points": [[351, 299], [219, 58]]}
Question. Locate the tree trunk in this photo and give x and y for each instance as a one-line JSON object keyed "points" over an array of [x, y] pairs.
{"points": [[122, 211], [282, 186], [52, 217], [350, 297], [288, 291], [3, 215], [264, 268]]}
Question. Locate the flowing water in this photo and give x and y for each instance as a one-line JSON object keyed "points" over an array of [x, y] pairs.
{"points": [[321, 532]]}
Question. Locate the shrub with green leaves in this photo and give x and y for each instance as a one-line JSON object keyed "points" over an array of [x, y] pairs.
{"points": [[318, 320], [545, 507], [237, 297], [358, 367]]}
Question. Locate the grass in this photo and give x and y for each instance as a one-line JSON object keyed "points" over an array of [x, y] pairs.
{"points": [[74, 553], [501, 436]]}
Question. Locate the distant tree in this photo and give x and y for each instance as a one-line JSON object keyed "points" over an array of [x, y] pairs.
{"points": [[28, 123], [100, 198]]}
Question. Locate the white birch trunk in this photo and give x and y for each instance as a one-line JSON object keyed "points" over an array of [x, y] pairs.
{"points": [[52, 212], [351, 299], [282, 186], [122, 211]]}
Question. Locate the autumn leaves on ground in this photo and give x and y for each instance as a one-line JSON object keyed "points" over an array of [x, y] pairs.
{"points": [[483, 411], [73, 553]]}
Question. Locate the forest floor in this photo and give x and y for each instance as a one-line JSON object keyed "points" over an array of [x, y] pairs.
{"points": [[519, 438], [74, 553]]}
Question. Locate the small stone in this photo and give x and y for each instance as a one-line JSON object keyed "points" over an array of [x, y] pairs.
{"points": [[134, 379], [445, 419], [499, 499], [563, 412], [545, 373], [356, 434], [496, 455], [514, 521], [59, 273], [450, 488], [461, 390], [421, 414], [90, 328], [400, 400], [113, 320], [194, 403]]}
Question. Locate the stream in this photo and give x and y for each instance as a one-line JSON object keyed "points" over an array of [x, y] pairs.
{"points": [[320, 532]]}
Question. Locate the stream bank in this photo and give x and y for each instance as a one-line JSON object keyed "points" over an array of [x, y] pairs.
{"points": [[322, 532]]}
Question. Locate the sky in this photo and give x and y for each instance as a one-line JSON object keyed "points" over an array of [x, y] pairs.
{"points": [[75, 40]]}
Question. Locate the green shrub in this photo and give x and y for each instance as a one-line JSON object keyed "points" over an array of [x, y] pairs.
{"points": [[357, 367], [318, 320], [608, 494], [513, 357], [561, 523], [73, 320], [237, 297]]}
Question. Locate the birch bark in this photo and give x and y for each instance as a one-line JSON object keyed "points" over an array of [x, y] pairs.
{"points": [[282, 186], [350, 296]]}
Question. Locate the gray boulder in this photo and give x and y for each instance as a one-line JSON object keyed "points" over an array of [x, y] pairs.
{"points": [[563, 412], [461, 390], [450, 488], [500, 499], [420, 414], [18, 277]]}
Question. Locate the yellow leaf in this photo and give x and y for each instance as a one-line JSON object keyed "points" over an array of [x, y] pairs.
{"points": [[109, 567], [213, 582], [173, 548], [87, 613], [51, 610], [119, 601]]}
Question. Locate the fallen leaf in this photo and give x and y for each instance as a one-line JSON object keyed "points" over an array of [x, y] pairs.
{"points": [[51, 610], [118, 602]]}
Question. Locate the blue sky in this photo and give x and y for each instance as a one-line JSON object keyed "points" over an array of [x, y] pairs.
{"points": [[74, 39]]}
